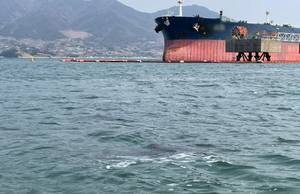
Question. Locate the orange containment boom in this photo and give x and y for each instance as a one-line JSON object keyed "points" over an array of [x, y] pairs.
{"points": [[115, 61]]}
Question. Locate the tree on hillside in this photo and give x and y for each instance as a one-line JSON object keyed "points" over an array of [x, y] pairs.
{"points": [[11, 53]]}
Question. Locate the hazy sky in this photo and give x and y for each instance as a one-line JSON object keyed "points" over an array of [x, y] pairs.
{"points": [[281, 11]]}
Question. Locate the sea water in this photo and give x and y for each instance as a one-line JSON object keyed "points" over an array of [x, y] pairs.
{"points": [[148, 128]]}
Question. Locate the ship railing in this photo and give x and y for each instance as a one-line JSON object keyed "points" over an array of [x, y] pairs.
{"points": [[283, 36]]}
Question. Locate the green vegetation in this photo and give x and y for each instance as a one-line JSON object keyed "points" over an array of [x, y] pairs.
{"points": [[11, 53]]}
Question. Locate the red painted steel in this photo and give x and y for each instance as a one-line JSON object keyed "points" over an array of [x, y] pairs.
{"points": [[214, 51]]}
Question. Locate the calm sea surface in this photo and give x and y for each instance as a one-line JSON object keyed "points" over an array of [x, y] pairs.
{"points": [[75, 128]]}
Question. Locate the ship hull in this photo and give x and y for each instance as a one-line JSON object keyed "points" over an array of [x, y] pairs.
{"points": [[215, 51], [196, 39]]}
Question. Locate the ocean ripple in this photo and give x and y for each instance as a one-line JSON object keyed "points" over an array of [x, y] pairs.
{"points": [[148, 128]]}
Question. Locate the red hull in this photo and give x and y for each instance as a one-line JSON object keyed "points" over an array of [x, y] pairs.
{"points": [[214, 51]]}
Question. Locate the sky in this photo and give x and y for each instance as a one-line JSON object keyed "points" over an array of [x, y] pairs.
{"points": [[281, 11]]}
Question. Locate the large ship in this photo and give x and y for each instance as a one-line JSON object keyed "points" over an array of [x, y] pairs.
{"points": [[198, 39]]}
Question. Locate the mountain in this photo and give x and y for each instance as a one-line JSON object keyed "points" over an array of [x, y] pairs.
{"points": [[191, 10], [44, 19], [81, 28]]}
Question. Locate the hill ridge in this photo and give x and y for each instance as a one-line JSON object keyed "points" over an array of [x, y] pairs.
{"points": [[80, 28]]}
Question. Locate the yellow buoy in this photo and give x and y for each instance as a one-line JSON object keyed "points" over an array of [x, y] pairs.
{"points": [[31, 59]]}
